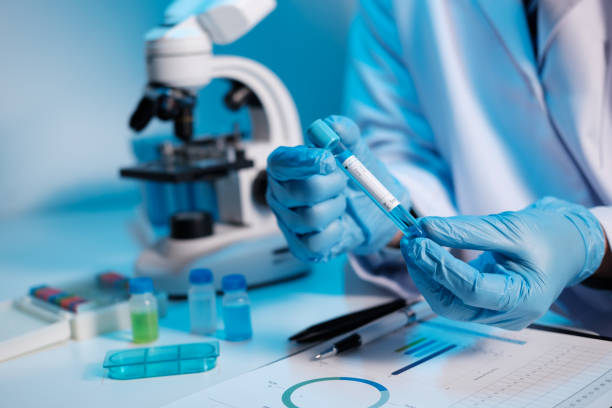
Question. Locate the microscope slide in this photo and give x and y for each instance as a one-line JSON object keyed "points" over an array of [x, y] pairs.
{"points": [[436, 363]]}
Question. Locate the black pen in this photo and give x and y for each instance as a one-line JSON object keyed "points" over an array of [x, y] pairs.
{"points": [[373, 331], [344, 324]]}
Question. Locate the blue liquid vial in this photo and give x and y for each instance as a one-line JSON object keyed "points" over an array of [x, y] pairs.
{"points": [[202, 302], [236, 308], [323, 136]]}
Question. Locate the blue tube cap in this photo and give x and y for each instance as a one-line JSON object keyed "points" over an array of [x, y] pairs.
{"points": [[139, 286], [233, 282], [200, 276], [322, 135]]}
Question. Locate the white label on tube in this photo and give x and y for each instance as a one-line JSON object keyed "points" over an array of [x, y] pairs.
{"points": [[370, 183]]}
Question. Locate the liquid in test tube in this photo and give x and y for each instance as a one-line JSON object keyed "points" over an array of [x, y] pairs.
{"points": [[323, 136]]}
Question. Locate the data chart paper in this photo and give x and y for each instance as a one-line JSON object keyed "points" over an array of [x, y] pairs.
{"points": [[437, 363]]}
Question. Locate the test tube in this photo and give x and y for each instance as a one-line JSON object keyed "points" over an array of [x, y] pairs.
{"points": [[323, 136]]}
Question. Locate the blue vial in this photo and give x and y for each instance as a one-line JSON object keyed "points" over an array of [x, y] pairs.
{"points": [[236, 308], [323, 136], [202, 298]]}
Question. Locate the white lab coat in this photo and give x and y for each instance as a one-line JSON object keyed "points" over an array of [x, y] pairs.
{"points": [[451, 97]]}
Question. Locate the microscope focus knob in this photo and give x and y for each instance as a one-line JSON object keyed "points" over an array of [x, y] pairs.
{"points": [[240, 95], [191, 225]]}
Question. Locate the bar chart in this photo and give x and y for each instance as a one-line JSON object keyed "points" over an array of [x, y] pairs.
{"points": [[423, 350]]}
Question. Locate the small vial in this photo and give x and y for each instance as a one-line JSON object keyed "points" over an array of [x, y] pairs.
{"points": [[323, 136], [162, 304], [236, 308], [143, 310], [202, 307]]}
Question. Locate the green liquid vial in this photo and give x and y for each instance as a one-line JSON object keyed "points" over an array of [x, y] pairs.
{"points": [[144, 327], [143, 311]]}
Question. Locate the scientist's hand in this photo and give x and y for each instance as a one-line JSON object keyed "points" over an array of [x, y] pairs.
{"points": [[179, 10], [320, 211], [531, 256]]}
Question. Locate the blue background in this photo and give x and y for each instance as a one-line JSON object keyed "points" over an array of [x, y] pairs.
{"points": [[72, 72]]}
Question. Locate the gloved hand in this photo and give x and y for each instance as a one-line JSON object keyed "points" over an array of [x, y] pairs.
{"points": [[320, 211], [179, 10], [531, 256]]}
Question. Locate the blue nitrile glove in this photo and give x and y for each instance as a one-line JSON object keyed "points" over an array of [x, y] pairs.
{"points": [[179, 10], [531, 256], [320, 211]]}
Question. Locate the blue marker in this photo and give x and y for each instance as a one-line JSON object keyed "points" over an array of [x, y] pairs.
{"points": [[236, 308], [323, 136]]}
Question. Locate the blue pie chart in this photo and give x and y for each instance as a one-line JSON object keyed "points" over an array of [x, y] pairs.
{"points": [[384, 392]]}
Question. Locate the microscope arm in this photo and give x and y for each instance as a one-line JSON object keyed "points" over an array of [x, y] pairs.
{"points": [[276, 122]]}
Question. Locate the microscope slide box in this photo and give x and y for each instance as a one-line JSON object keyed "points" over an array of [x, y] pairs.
{"points": [[24, 331], [31, 324]]}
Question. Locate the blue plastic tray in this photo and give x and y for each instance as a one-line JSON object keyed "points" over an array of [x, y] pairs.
{"points": [[147, 362]]}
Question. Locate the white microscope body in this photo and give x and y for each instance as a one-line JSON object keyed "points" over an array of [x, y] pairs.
{"points": [[246, 240]]}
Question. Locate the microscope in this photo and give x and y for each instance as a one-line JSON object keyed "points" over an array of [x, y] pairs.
{"points": [[244, 238]]}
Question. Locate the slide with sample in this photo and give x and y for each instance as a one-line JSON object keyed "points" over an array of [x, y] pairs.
{"points": [[437, 363]]}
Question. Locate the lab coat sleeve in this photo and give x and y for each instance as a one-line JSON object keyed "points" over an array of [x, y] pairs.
{"points": [[382, 98], [604, 215]]}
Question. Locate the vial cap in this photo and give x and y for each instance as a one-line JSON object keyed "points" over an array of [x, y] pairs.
{"points": [[141, 285], [233, 282], [200, 276], [322, 135]]}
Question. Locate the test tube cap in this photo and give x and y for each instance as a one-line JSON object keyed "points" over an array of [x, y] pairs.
{"points": [[141, 285], [322, 135], [200, 276], [233, 282]]}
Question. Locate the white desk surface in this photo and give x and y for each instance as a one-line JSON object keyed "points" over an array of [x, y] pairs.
{"points": [[55, 247]]}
